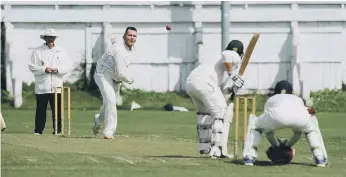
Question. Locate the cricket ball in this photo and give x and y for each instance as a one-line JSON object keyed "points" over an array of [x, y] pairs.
{"points": [[168, 27]]}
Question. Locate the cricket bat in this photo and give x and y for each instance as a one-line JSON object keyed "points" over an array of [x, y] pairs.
{"points": [[245, 62]]}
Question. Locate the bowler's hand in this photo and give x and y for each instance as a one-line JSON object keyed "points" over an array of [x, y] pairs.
{"points": [[48, 70], [130, 81], [54, 70]]}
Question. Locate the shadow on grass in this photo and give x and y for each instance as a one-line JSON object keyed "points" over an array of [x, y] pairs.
{"points": [[178, 157], [268, 163], [84, 137]]}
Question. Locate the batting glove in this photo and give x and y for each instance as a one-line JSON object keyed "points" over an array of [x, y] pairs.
{"points": [[238, 81]]}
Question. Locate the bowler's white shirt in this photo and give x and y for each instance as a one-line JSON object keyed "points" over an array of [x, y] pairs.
{"points": [[214, 71], [116, 59]]}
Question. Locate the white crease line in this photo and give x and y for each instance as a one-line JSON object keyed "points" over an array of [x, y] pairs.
{"points": [[30, 159], [162, 160], [123, 159], [94, 160], [197, 164]]}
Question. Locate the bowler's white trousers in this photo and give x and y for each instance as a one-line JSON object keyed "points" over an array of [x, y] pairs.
{"points": [[108, 111]]}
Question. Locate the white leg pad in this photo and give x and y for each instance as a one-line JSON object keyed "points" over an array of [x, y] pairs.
{"points": [[228, 117], [252, 139], [2, 123], [220, 133], [320, 137], [217, 130], [315, 145], [204, 130]]}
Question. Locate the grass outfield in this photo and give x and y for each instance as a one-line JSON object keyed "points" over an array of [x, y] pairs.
{"points": [[148, 144]]}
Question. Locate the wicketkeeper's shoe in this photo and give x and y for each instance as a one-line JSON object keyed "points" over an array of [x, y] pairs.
{"points": [[248, 161], [321, 163], [97, 127]]}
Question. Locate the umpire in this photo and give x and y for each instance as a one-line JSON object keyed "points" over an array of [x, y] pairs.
{"points": [[48, 64]]}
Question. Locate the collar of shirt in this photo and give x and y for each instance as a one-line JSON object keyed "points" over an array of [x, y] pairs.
{"points": [[127, 47], [55, 48]]}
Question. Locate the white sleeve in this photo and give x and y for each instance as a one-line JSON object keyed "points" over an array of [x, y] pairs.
{"points": [[120, 65], [35, 65], [229, 56]]}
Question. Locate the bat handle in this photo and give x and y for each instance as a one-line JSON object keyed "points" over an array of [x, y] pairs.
{"points": [[232, 96]]}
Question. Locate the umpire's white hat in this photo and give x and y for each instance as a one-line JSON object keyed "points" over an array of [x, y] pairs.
{"points": [[49, 32]]}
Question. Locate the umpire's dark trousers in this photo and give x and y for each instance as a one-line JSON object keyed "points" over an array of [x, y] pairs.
{"points": [[42, 101]]}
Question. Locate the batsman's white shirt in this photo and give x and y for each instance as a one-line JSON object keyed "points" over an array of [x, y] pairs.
{"points": [[284, 111], [203, 84], [214, 71], [111, 70]]}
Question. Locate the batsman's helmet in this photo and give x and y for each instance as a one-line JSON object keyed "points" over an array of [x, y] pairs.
{"points": [[283, 87], [236, 46]]}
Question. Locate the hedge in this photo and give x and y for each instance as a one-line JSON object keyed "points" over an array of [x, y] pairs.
{"points": [[323, 101]]}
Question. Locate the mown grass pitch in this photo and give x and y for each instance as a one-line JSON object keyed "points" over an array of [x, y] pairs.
{"points": [[148, 144]]}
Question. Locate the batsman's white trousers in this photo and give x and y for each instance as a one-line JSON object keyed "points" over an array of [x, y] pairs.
{"points": [[109, 90], [207, 97], [281, 117]]}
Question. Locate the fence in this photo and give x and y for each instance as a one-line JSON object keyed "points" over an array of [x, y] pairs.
{"points": [[301, 42]]}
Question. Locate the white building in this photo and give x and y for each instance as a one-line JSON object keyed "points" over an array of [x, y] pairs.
{"points": [[299, 41]]}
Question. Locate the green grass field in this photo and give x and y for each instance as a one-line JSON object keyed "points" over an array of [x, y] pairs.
{"points": [[147, 144]]}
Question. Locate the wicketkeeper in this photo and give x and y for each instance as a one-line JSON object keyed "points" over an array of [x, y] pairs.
{"points": [[207, 86], [284, 110]]}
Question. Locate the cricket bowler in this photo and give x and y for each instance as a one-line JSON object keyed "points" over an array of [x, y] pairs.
{"points": [[207, 86], [284, 110], [111, 72]]}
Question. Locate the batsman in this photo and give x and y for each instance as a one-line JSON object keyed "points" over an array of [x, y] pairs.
{"points": [[284, 110], [207, 86]]}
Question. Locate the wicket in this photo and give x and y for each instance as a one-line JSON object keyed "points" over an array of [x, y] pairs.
{"points": [[62, 102], [245, 109]]}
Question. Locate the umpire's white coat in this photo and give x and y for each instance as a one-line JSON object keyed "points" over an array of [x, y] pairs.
{"points": [[43, 57], [111, 70], [203, 85]]}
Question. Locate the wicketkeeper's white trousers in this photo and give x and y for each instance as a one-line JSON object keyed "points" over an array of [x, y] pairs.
{"points": [[108, 111], [280, 117]]}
